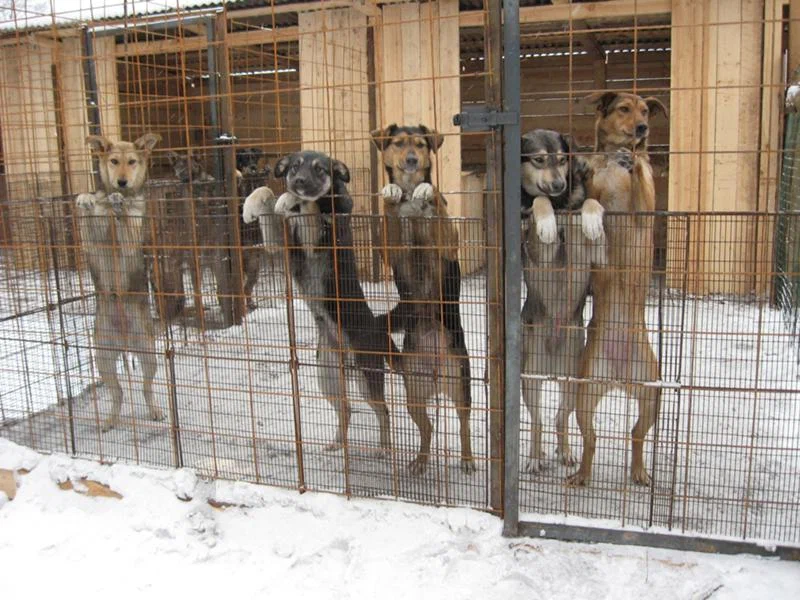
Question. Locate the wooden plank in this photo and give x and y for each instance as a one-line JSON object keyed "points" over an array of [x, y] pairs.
{"points": [[107, 86], [771, 140], [424, 86], [612, 9], [334, 103], [73, 98]]}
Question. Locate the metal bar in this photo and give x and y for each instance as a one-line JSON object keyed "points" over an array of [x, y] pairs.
{"points": [[512, 261], [599, 535]]}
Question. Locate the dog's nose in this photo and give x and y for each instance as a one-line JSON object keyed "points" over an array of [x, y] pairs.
{"points": [[558, 186], [412, 160], [641, 130], [300, 181], [122, 182]]}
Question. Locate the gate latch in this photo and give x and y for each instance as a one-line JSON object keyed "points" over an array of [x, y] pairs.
{"points": [[481, 118]]}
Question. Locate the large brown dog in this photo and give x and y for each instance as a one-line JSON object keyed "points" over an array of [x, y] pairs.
{"points": [[617, 351], [423, 251], [113, 230]]}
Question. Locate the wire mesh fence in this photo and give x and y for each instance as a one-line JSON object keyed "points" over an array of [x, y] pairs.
{"points": [[251, 380]]}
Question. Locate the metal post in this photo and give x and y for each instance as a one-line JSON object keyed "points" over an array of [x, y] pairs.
{"points": [[512, 261]]}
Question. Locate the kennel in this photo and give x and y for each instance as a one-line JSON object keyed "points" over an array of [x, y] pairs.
{"points": [[213, 78]]}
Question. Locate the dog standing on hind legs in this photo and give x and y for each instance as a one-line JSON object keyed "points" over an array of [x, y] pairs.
{"points": [[558, 254], [351, 340], [617, 347], [113, 229], [423, 252]]}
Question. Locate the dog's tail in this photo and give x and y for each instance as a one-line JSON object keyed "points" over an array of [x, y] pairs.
{"points": [[642, 187]]}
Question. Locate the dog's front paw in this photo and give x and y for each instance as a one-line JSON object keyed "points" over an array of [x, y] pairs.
{"points": [[85, 201], [592, 220], [255, 205], [392, 193], [547, 229], [624, 158], [422, 193], [534, 465], [286, 204], [117, 201]]}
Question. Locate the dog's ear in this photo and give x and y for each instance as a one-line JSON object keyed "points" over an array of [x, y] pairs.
{"points": [[147, 142], [526, 147], [340, 170], [435, 139], [99, 144], [568, 143], [173, 157], [343, 205], [283, 165], [602, 100], [656, 106], [382, 137]]}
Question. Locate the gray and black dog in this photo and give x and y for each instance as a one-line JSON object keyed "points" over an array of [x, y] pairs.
{"points": [[558, 254], [322, 260]]}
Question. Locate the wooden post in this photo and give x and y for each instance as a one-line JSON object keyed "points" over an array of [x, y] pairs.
{"points": [[716, 119], [334, 104], [30, 139], [233, 306], [420, 66]]}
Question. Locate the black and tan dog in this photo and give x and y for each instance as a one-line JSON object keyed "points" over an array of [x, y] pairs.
{"points": [[618, 351], [351, 340], [113, 227], [423, 251], [556, 273]]}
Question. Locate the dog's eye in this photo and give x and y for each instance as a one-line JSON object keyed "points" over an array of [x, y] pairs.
{"points": [[114, 162], [132, 162], [294, 168], [645, 112], [420, 144], [539, 160], [398, 143], [320, 169], [624, 109], [562, 160]]}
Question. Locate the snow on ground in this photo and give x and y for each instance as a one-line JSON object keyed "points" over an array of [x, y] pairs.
{"points": [[278, 544]]}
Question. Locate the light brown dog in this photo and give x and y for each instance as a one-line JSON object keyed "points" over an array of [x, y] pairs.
{"points": [[423, 251], [113, 230], [617, 351]]}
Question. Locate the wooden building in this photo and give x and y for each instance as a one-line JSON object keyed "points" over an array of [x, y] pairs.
{"points": [[321, 74]]}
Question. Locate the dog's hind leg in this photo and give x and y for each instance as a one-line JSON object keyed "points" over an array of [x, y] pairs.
{"points": [[416, 401], [334, 388], [373, 387], [565, 409], [146, 352], [463, 400], [532, 395], [649, 399]]}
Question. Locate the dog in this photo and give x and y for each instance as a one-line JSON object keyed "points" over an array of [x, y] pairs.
{"points": [[113, 229], [423, 251], [617, 348], [317, 207], [251, 164], [556, 270]]}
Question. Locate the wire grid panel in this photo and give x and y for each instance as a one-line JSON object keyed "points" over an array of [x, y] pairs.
{"points": [[723, 453], [241, 402]]}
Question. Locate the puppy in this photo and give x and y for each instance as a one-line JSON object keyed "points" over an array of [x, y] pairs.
{"points": [[617, 348], [423, 251], [556, 273], [113, 230], [553, 178], [251, 163], [323, 266]]}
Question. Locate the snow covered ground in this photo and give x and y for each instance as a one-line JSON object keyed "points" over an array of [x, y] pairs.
{"points": [[164, 539]]}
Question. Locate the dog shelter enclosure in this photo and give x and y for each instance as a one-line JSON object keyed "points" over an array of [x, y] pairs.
{"points": [[238, 384]]}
